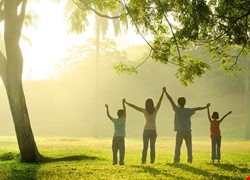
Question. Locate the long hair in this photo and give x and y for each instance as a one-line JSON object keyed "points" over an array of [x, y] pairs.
{"points": [[150, 108]]}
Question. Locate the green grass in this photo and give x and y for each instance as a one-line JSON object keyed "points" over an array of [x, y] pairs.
{"points": [[96, 160]]}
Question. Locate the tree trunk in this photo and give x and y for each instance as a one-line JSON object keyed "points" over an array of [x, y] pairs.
{"points": [[247, 85], [13, 81], [97, 43]]}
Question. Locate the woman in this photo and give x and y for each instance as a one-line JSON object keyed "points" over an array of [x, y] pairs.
{"points": [[149, 133]]}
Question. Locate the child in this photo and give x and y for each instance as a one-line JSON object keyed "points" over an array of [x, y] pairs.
{"points": [[215, 133], [118, 142]]}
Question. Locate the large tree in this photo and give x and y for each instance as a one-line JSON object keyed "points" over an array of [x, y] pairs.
{"points": [[11, 67]]}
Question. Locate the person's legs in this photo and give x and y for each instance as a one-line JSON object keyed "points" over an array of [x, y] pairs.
{"points": [[213, 140], [188, 140], [218, 148], [178, 143], [121, 150], [212, 149], [145, 146], [153, 137], [115, 150]]}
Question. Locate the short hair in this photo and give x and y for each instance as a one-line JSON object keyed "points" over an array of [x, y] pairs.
{"points": [[215, 115], [120, 113], [181, 101], [149, 105]]}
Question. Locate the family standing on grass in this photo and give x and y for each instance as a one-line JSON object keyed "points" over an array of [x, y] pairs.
{"points": [[182, 126]]}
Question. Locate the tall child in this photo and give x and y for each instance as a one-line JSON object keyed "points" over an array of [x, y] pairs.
{"points": [[118, 143], [215, 133]]}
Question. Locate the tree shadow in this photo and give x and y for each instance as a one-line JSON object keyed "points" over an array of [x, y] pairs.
{"points": [[153, 171], [23, 171], [70, 158]]}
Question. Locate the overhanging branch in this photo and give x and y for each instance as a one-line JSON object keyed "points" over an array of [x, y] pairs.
{"points": [[138, 30], [96, 12]]}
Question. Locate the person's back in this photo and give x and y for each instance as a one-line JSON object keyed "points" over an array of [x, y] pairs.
{"points": [[215, 128], [182, 119], [119, 126], [150, 120]]}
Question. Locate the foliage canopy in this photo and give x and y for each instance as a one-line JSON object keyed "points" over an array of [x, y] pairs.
{"points": [[218, 27]]}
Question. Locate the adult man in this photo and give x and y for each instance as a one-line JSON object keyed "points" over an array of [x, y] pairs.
{"points": [[182, 125]]}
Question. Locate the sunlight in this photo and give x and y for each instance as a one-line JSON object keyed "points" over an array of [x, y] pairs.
{"points": [[48, 42]]}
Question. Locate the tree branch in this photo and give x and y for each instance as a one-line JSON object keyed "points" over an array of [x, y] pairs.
{"points": [[96, 12], [175, 40], [138, 30], [149, 55]]}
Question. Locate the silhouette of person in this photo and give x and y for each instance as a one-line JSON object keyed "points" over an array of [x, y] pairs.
{"points": [[215, 133], [149, 132], [118, 142], [182, 126]]}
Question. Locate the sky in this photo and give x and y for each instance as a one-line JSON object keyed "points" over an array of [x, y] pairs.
{"points": [[50, 40]]}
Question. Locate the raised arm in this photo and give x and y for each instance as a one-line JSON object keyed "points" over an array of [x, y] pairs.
{"points": [[208, 113], [124, 107], [134, 106], [225, 116], [107, 107], [160, 100], [169, 97], [202, 108]]}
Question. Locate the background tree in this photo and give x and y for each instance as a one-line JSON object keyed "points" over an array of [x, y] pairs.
{"points": [[101, 28], [11, 67]]}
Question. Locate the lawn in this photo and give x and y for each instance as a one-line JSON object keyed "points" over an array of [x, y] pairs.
{"points": [[90, 158]]}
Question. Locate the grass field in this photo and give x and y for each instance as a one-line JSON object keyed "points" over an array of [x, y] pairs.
{"points": [[93, 160]]}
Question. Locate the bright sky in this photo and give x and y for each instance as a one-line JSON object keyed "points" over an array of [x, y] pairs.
{"points": [[50, 40]]}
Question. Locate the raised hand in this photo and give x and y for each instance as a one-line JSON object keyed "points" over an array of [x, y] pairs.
{"points": [[164, 89]]}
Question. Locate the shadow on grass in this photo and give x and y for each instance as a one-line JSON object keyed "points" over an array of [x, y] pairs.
{"points": [[153, 171], [232, 167], [70, 158], [23, 171], [199, 172]]}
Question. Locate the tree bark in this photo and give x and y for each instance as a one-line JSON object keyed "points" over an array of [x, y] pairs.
{"points": [[247, 87], [12, 78]]}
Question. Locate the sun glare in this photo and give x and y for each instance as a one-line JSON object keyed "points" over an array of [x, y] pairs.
{"points": [[49, 40]]}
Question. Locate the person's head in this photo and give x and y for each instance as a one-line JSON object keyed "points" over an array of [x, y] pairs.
{"points": [[120, 113], [215, 115], [149, 105], [181, 101]]}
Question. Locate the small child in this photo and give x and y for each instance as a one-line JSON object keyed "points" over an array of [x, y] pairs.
{"points": [[215, 133], [118, 142]]}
